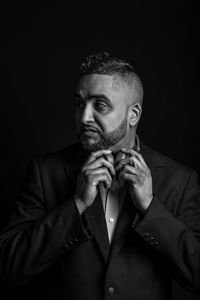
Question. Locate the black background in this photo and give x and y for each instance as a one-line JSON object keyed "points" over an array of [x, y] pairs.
{"points": [[42, 47]]}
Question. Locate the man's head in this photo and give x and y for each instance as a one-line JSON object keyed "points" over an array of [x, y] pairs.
{"points": [[109, 98]]}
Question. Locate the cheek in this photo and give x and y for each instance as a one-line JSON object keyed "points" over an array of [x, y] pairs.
{"points": [[111, 122], [119, 117]]}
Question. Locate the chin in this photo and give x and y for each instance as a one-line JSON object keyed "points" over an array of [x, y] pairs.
{"points": [[91, 146], [88, 143]]}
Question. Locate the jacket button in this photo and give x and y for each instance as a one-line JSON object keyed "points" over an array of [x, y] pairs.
{"points": [[147, 235], [155, 243], [68, 244], [111, 291]]}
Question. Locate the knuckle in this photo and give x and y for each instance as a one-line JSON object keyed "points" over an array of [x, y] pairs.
{"points": [[126, 167], [86, 172], [143, 176], [105, 170], [100, 159], [124, 175], [104, 161], [88, 175], [111, 159], [104, 177], [107, 175], [94, 154], [90, 179], [83, 169]]}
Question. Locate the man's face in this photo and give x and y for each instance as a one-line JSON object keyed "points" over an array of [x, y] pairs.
{"points": [[101, 111]]}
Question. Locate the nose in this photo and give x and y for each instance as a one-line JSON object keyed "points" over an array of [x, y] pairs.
{"points": [[87, 114]]}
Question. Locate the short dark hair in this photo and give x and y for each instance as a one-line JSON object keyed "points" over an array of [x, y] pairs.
{"points": [[104, 63]]}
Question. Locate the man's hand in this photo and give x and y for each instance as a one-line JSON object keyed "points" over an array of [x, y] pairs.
{"points": [[99, 167], [134, 170]]}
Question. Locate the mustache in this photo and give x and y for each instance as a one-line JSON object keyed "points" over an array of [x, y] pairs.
{"points": [[85, 128]]}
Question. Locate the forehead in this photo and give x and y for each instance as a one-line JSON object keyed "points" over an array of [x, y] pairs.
{"points": [[97, 84]]}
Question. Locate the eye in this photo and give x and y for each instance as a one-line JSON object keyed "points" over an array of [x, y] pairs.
{"points": [[101, 106]]}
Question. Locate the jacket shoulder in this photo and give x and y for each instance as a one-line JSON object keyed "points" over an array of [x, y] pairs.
{"points": [[67, 155], [158, 159]]}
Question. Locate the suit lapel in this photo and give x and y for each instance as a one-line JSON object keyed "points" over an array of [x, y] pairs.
{"points": [[155, 164], [125, 219], [96, 218]]}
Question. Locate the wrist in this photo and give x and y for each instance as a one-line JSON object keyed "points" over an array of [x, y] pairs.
{"points": [[80, 205], [145, 206]]}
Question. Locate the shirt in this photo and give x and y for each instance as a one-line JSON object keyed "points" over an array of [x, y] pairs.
{"points": [[113, 198]]}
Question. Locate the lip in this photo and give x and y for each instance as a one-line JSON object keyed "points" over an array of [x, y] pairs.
{"points": [[89, 132]]}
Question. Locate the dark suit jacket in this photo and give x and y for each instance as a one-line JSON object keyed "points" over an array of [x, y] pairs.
{"points": [[71, 254]]}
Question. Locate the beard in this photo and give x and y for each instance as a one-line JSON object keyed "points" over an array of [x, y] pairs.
{"points": [[105, 140]]}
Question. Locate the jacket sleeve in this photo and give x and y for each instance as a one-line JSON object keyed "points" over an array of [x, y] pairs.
{"points": [[176, 237], [35, 238]]}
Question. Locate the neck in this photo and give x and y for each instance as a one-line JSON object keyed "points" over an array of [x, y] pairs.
{"points": [[127, 143]]}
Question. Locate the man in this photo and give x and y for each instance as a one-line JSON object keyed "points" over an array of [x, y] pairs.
{"points": [[106, 217]]}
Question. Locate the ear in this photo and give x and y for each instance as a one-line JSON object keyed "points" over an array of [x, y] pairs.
{"points": [[135, 111]]}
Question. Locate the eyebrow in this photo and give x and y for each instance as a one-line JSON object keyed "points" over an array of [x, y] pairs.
{"points": [[102, 96]]}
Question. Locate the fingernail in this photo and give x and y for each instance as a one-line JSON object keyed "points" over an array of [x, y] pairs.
{"points": [[123, 156]]}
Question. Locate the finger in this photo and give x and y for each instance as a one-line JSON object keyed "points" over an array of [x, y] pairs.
{"points": [[100, 162], [134, 161], [110, 158], [134, 153], [130, 178], [138, 165], [95, 155], [120, 156], [131, 170], [99, 171], [129, 160], [101, 178], [121, 163]]}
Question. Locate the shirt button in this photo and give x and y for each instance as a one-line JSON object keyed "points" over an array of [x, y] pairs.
{"points": [[111, 220], [111, 291]]}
